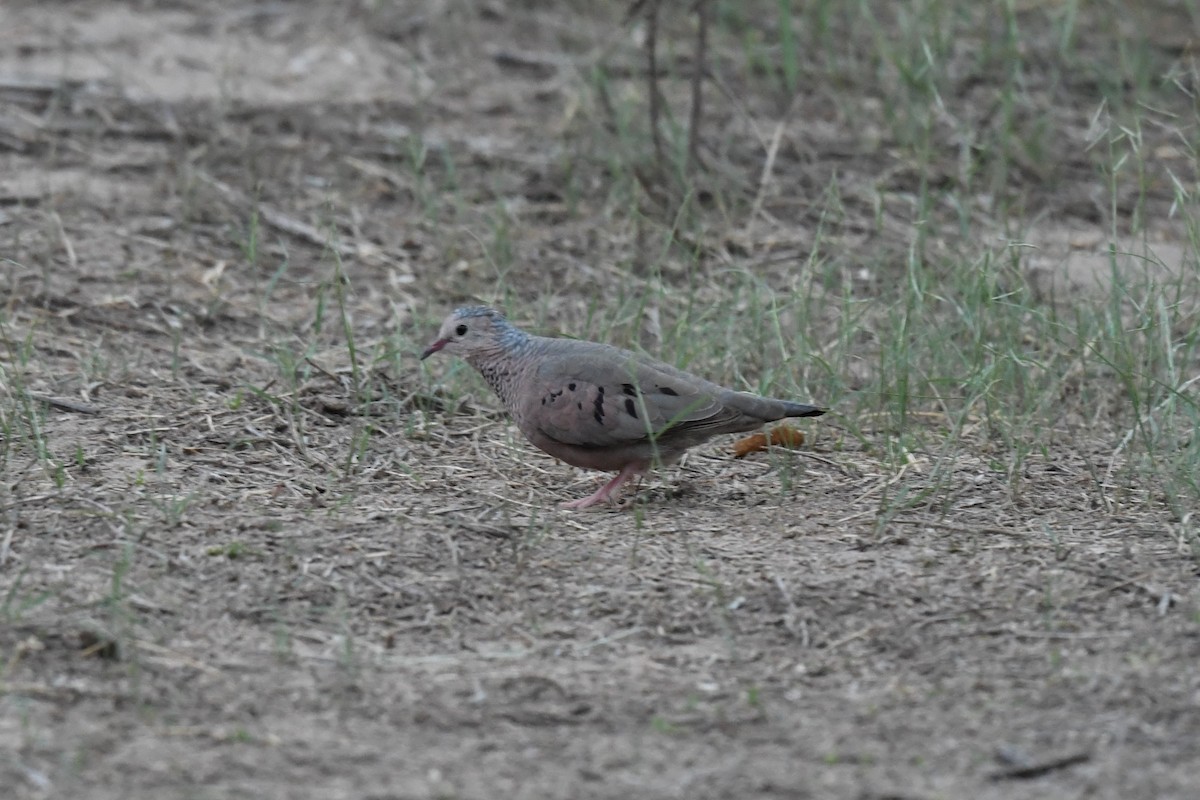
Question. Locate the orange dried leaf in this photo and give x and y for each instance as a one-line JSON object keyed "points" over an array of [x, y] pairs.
{"points": [[782, 436], [787, 436], [751, 444]]}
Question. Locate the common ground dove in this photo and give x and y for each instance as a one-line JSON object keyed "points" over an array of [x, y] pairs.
{"points": [[600, 407]]}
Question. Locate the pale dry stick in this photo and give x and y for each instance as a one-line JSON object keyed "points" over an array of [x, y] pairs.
{"points": [[6, 544], [452, 548], [867, 631], [1186, 541], [374, 170], [170, 658], [65, 241], [331, 376], [789, 617], [437, 512], [583, 649], [513, 501], [767, 170], [65, 404]]}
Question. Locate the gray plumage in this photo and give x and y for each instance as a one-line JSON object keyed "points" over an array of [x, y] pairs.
{"points": [[601, 407]]}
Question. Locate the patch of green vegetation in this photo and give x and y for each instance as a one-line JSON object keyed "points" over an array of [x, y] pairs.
{"points": [[234, 550], [662, 725]]}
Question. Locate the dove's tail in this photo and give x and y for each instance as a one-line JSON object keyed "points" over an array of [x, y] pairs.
{"points": [[766, 409], [801, 410]]}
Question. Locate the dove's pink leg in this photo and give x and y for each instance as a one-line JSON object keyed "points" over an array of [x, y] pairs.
{"points": [[605, 491]]}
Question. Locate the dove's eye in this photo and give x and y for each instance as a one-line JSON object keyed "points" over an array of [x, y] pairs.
{"points": [[461, 330]]}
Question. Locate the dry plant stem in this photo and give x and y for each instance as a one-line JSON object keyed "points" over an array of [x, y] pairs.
{"points": [[768, 167], [652, 78], [698, 70], [66, 404]]}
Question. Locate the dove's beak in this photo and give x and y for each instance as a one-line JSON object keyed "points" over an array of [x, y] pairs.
{"points": [[433, 348]]}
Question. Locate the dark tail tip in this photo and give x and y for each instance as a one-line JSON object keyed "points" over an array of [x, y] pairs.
{"points": [[801, 410]]}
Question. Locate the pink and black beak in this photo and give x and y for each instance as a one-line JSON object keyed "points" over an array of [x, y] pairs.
{"points": [[433, 348]]}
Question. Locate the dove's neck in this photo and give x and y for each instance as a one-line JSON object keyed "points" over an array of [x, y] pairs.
{"points": [[504, 365]]}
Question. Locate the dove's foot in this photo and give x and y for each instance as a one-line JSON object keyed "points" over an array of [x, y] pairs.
{"points": [[604, 493]]}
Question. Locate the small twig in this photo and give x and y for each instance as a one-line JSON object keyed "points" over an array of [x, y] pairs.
{"points": [[789, 616], [1026, 771], [312, 363], [867, 631], [768, 168], [374, 170], [63, 404], [6, 544], [65, 240], [603, 640]]}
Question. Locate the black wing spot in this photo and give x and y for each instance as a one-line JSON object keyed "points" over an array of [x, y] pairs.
{"points": [[571, 386], [629, 389], [598, 403], [668, 390], [630, 408], [580, 405]]}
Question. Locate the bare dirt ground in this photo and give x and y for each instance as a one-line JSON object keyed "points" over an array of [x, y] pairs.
{"points": [[227, 571]]}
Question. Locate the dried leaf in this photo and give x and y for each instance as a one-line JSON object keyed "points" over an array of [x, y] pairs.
{"points": [[782, 436]]}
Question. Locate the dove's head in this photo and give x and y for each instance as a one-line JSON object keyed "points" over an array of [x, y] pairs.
{"points": [[473, 331]]}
